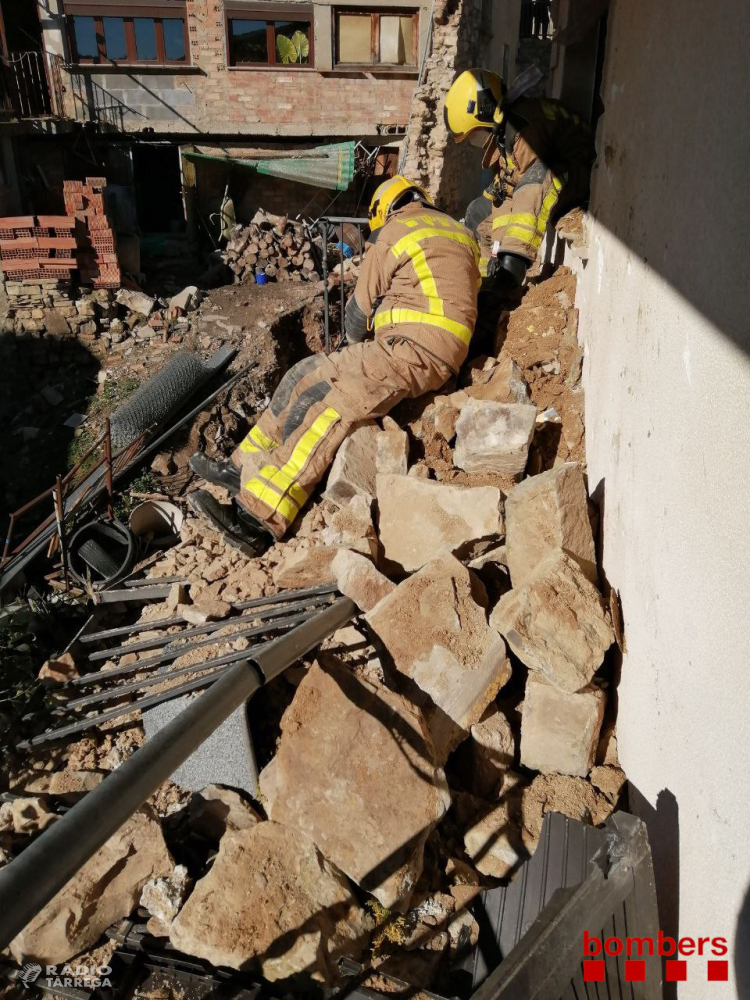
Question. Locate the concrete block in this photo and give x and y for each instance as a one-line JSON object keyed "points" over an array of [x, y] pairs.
{"points": [[494, 437], [556, 623], [559, 729], [420, 519], [546, 513]]}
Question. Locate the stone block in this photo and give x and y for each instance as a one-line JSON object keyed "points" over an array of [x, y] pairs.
{"points": [[354, 468], [351, 527], [356, 772], [434, 625], [420, 519], [393, 453], [358, 579], [494, 842], [560, 729], [545, 513], [556, 623], [305, 567], [105, 890], [270, 901], [499, 382], [494, 437], [137, 302]]}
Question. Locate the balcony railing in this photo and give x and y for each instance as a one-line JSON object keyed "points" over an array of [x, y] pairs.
{"points": [[31, 86]]}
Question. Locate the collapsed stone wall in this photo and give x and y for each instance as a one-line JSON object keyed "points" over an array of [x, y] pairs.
{"points": [[432, 158]]}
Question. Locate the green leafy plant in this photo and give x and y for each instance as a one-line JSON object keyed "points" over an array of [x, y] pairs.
{"points": [[293, 50]]}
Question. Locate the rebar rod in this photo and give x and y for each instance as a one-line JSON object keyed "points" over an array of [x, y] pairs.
{"points": [[189, 633], [33, 878], [257, 602]]}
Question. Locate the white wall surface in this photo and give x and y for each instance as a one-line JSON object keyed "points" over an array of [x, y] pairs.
{"points": [[665, 316]]}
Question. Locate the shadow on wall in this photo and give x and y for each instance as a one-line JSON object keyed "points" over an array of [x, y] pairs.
{"points": [[43, 382], [663, 828], [650, 186]]}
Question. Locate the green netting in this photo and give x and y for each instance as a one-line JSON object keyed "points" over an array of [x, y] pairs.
{"points": [[330, 167]]}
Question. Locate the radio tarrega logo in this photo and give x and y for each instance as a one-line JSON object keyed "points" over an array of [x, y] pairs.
{"points": [[71, 976], [30, 973], [635, 949]]}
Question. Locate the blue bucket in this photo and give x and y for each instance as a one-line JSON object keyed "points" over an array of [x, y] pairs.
{"points": [[261, 278]]}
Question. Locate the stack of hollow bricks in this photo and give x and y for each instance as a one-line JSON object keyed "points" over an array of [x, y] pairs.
{"points": [[53, 246], [34, 247], [97, 255]]}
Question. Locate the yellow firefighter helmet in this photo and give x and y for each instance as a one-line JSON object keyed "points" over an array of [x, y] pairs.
{"points": [[475, 100], [388, 194]]}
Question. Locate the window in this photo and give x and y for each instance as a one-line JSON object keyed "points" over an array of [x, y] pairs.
{"points": [[106, 33], [269, 36], [377, 39]]}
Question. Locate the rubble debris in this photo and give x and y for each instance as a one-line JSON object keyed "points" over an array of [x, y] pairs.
{"points": [[186, 300], [392, 456], [556, 623], [494, 748], [494, 842], [59, 670], [358, 579], [497, 555], [271, 901], [498, 380], [106, 889], [453, 656], [137, 302], [548, 512], [72, 784], [421, 519], [273, 245], [608, 780], [25, 815], [560, 729], [163, 898], [573, 797], [354, 467], [351, 527], [214, 809], [356, 772], [305, 567], [494, 437]]}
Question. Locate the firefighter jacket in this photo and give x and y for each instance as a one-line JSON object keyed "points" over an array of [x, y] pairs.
{"points": [[545, 148], [419, 281]]}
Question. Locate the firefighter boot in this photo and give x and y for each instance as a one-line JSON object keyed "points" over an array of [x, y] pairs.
{"points": [[241, 529], [219, 473]]}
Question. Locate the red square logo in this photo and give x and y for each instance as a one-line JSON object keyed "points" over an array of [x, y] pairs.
{"points": [[675, 971], [718, 972], [593, 971], [635, 971]]}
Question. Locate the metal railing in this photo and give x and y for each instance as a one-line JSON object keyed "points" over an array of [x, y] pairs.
{"points": [[347, 233], [92, 103], [31, 85]]}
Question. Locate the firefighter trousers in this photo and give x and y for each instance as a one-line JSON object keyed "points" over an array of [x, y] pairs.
{"points": [[317, 403]]}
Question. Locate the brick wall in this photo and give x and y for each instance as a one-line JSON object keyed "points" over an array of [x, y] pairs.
{"points": [[211, 98]]}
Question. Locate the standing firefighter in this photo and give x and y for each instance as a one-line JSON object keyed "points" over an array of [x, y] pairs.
{"points": [[408, 323], [541, 155]]}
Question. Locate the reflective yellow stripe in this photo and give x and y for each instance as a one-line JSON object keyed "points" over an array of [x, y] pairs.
{"points": [[426, 278], [284, 483], [265, 493], [412, 316], [256, 440], [483, 268], [262, 439], [549, 110], [412, 244], [522, 219], [282, 492], [524, 235], [509, 161], [548, 204], [500, 221]]}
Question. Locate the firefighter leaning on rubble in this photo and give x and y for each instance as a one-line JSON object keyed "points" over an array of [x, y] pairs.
{"points": [[408, 326], [540, 154]]}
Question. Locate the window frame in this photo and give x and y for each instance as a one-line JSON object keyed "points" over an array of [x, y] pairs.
{"points": [[127, 13], [375, 15], [234, 11]]}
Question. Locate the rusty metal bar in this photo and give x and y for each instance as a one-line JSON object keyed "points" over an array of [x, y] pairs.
{"points": [[60, 515], [108, 466]]}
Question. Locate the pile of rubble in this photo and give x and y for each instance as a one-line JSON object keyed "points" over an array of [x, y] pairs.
{"points": [[418, 751]]}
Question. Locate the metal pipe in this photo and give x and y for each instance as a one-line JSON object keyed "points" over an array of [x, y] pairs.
{"points": [[60, 515], [108, 467], [326, 327], [33, 878]]}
